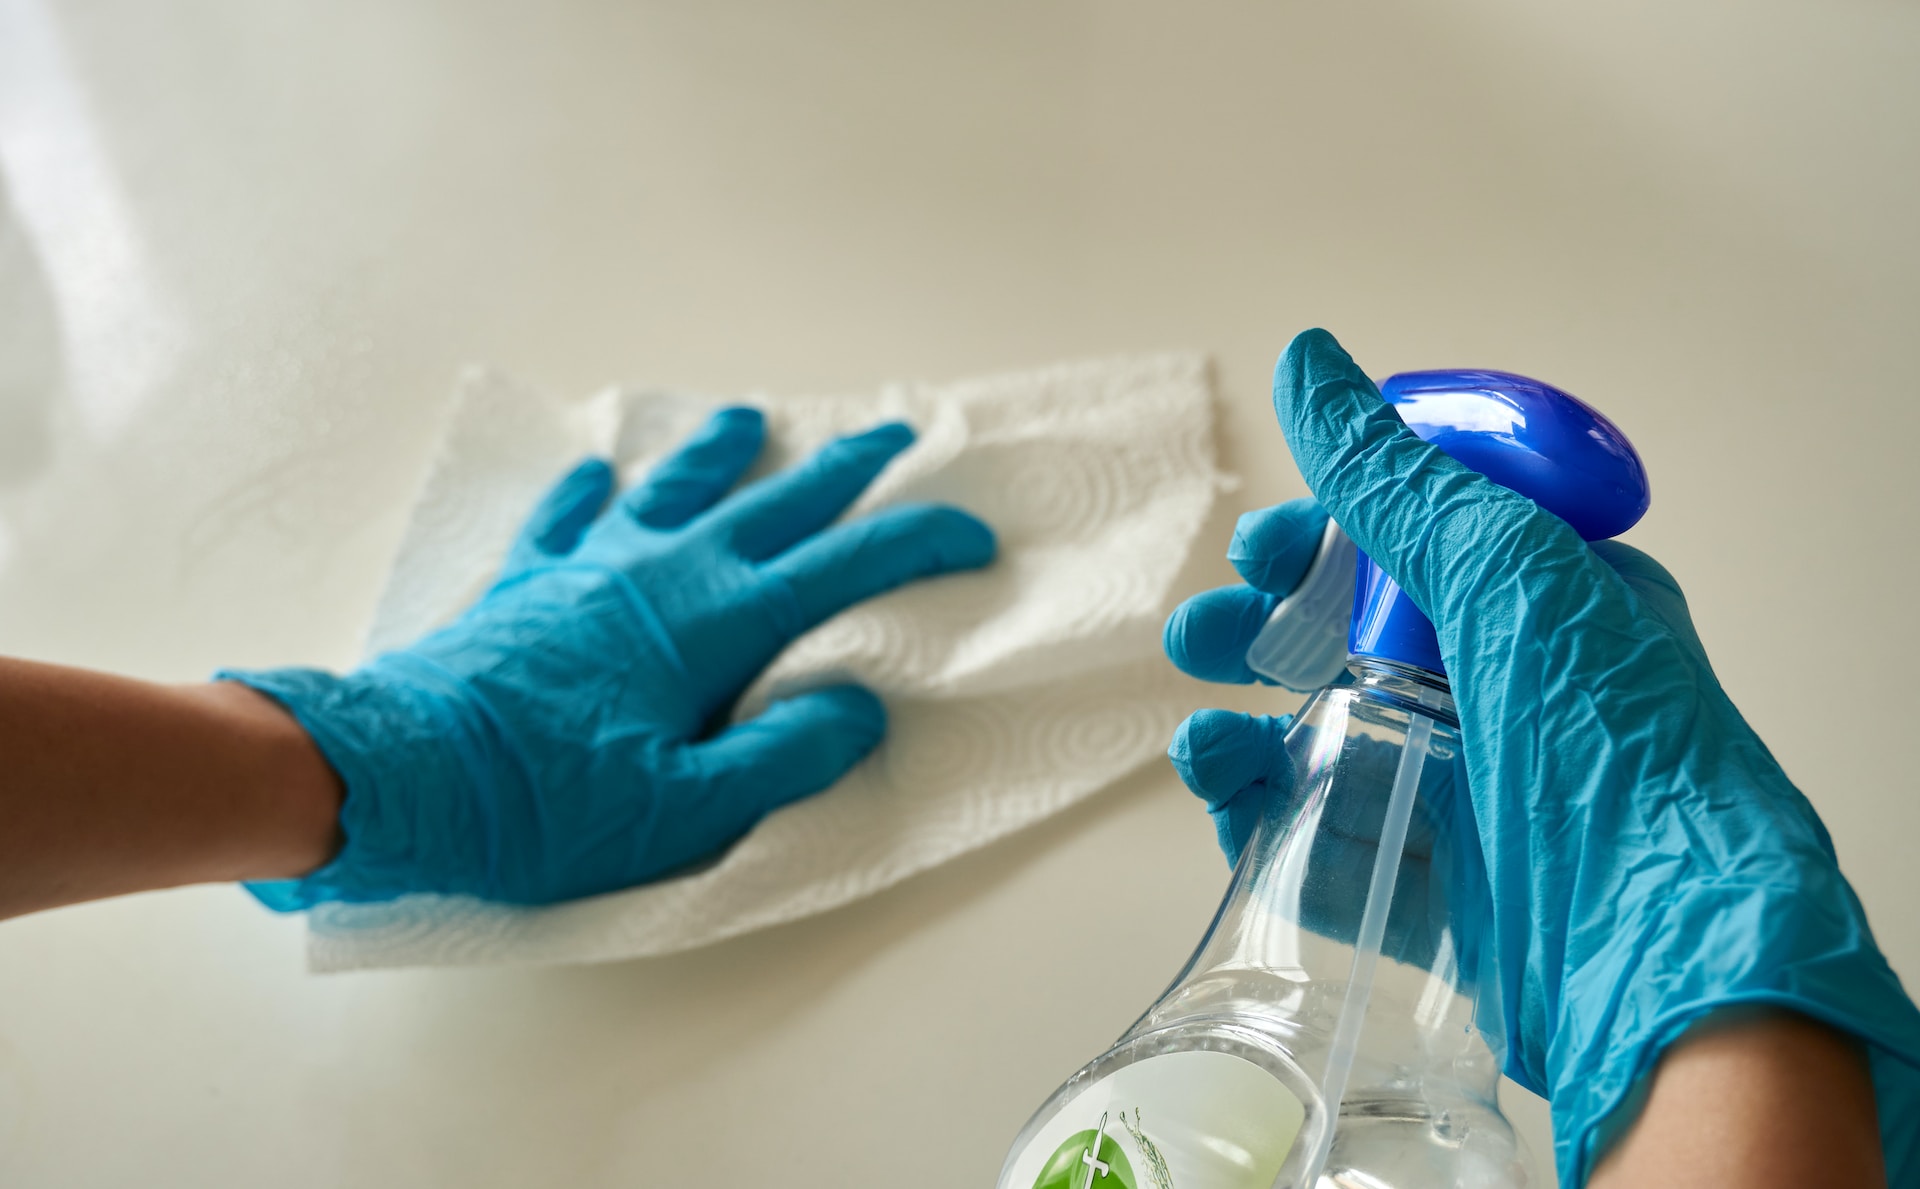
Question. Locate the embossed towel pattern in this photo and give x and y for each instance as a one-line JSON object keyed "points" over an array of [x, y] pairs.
{"points": [[1012, 693]]}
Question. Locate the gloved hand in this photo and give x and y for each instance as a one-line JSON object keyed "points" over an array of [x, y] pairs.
{"points": [[558, 739], [1234, 761], [1648, 860]]}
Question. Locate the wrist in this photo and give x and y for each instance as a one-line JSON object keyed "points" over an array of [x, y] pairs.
{"points": [[1751, 1096], [114, 785], [288, 821], [410, 750], [1661, 976]]}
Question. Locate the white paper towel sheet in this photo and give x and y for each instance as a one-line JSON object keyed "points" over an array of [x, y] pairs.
{"points": [[1012, 692]]}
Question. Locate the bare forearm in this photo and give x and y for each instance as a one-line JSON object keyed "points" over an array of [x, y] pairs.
{"points": [[1773, 1099], [110, 785]]}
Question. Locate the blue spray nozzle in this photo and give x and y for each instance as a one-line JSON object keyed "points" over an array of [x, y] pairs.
{"points": [[1524, 434]]}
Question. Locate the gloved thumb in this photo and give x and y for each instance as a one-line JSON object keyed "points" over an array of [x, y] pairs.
{"points": [[794, 748]]}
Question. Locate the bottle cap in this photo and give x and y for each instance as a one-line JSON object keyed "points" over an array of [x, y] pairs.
{"points": [[1523, 434]]}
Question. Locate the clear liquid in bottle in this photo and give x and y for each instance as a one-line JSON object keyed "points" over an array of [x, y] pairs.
{"points": [[1228, 1078]]}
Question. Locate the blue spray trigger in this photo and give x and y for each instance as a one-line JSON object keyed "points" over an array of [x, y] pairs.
{"points": [[1303, 644]]}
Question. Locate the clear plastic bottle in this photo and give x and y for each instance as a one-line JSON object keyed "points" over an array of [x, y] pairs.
{"points": [[1339, 1024], [1264, 996]]}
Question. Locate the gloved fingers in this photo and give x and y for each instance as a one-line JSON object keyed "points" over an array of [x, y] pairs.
{"points": [[781, 510], [794, 748], [1657, 589], [704, 468], [561, 517], [1335, 886], [1272, 547], [1443, 531], [1360, 812], [1208, 635], [1219, 753], [1235, 822], [850, 563], [1235, 764]]}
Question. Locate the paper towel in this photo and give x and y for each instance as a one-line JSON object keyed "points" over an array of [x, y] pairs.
{"points": [[1012, 692]]}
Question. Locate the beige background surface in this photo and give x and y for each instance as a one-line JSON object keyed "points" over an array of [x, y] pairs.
{"points": [[245, 248]]}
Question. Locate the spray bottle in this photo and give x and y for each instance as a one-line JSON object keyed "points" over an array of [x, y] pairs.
{"points": [[1338, 1024]]}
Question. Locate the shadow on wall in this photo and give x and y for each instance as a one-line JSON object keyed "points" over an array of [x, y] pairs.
{"points": [[30, 362]]}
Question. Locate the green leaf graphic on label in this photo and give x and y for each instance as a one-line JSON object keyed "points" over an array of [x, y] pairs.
{"points": [[1074, 1165], [1156, 1163], [1191, 1119]]}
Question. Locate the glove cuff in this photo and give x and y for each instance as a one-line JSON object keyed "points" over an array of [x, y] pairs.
{"points": [[386, 724], [1697, 956]]}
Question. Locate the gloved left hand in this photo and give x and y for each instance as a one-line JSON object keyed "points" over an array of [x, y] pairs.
{"points": [[553, 742]]}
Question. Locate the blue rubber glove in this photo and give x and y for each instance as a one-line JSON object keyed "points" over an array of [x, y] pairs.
{"points": [[1649, 862], [556, 741], [1234, 761]]}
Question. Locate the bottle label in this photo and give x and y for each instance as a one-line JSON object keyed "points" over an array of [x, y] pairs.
{"points": [[1193, 1120]]}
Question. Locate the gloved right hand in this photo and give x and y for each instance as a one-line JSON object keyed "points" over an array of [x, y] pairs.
{"points": [[1649, 862], [559, 739]]}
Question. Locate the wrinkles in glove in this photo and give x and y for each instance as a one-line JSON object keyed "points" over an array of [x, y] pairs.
{"points": [[1648, 862], [565, 736]]}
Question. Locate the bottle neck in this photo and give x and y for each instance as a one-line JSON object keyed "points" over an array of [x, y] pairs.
{"points": [[1282, 948], [1421, 691]]}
